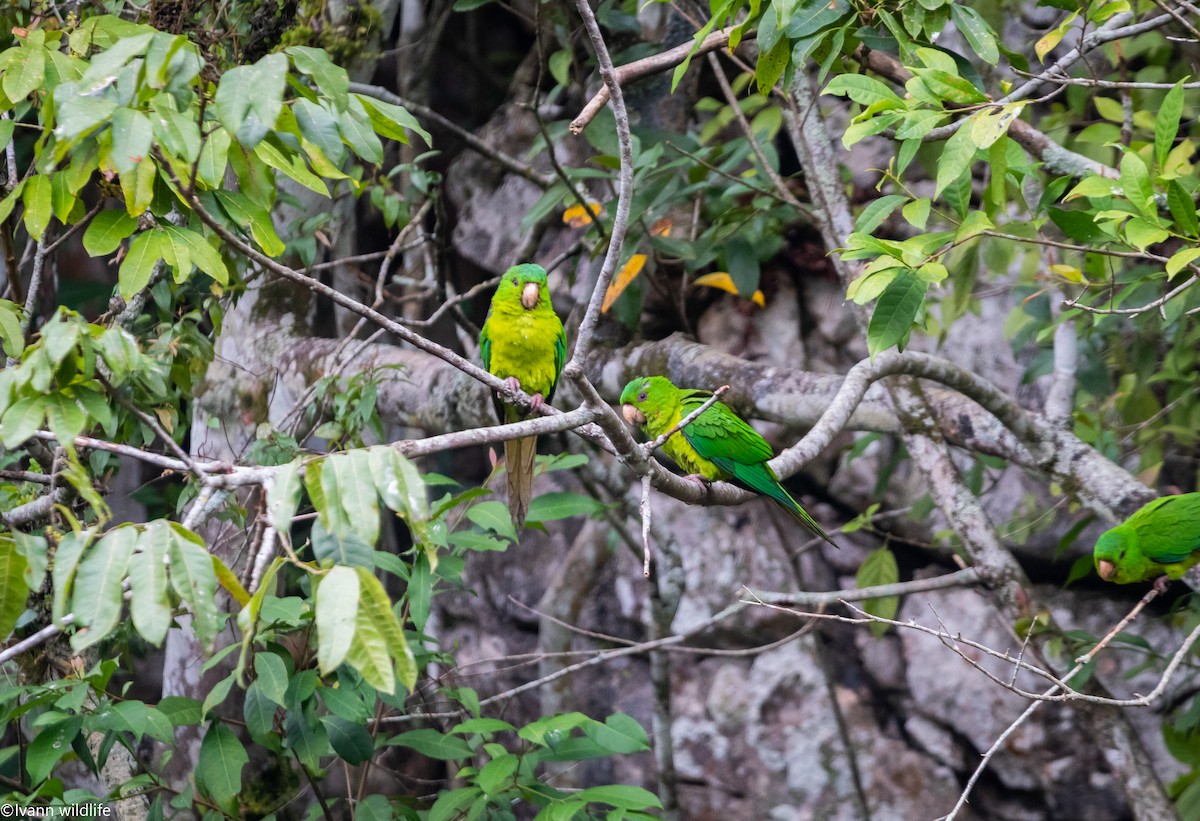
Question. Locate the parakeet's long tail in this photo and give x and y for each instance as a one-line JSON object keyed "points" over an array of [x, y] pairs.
{"points": [[519, 455], [760, 479]]}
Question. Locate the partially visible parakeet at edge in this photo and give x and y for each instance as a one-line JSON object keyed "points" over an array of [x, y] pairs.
{"points": [[718, 444], [522, 342], [1161, 539]]}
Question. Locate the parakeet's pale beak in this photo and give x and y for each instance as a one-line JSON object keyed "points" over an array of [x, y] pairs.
{"points": [[632, 415], [1106, 569], [530, 295]]}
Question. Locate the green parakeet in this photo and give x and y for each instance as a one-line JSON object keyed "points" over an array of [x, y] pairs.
{"points": [[718, 444], [522, 342], [1161, 539]]}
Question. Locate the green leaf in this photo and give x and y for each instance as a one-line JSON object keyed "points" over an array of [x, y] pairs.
{"points": [[219, 768], [214, 157], [955, 160], [1096, 187], [771, 65], [493, 516], [976, 31], [337, 544], [398, 483], [39, 203], [49, 746], [951, 87], [36, 551], [619, 734], [877, 211], [350, 740], [194, 580], [329, 78], [283, 496], [562, 505], [13, 589], [877, 569], [10, 328], [392, 121], [376, 608], [98, 596], [497, 774], [336, 614], [895, 311], [356, 492], [249, 98], [1166, 124], [622, 796], [1135, 180], [450, 803], [292, 166], [432, 744], [198, 251], [25, 72], [810, 16], [138, 266], [131, 138], [106, 231], [259, 713], [21, 420], [917, 213], [1183, 209], [271, 675], [149, 605], [217, 695], [1142, 233], [77, 114], [242, 210], [62, 572], [861, 89], [359, 132], [1179, 260]]}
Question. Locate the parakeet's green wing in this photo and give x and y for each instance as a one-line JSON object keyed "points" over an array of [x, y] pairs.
{"points": [[1168, 529], [485, 348], [560, 359], [720, 435]]}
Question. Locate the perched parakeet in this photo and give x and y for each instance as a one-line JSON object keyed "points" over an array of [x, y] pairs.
{"points": [[1161, 539], [523, 343], [718, 444]]}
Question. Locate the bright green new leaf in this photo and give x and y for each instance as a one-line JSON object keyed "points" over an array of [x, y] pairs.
{"points": [[1135, 180], [1166, 124], [877, 569], [1179, 260]]}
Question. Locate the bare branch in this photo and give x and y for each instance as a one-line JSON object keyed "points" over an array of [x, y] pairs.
{"points": [[651, 65], [612, 257]]}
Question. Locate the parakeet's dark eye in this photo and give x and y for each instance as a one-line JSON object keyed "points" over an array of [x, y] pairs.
{"points": [[642, 396], [514, 280]]}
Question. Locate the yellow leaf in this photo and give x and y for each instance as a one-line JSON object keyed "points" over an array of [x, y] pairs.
{"points": [[626, 275], [724, 281], [1069, 273], [1051, 39], [661, 228], [577, 216]]}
